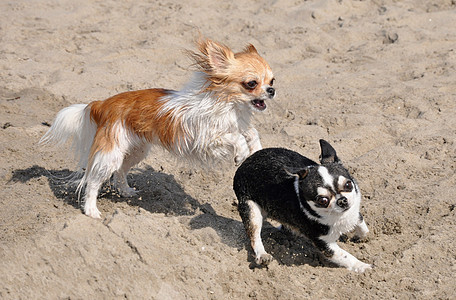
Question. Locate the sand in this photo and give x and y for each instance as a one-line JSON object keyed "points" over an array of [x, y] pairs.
{"points": [[377, 79]]}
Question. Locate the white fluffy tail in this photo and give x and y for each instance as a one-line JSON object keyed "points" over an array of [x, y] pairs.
{"points": [[73, 123]]}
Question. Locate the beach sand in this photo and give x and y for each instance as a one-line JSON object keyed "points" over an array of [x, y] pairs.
{"points": [[377, 79]]}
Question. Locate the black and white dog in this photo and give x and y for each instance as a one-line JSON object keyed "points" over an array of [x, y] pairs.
{"points": [[319, 201]]}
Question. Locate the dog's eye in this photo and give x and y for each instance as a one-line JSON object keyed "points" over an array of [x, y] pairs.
{"points": [[250, 85], [322, 201], [272, 82], [348, 186]]}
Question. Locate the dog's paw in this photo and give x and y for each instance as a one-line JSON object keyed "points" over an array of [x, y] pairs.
{"points": [[92, 212], [263, 259], [360, 235], [358, 239], [241, 150], [238, 159], [360, 267], [128, 192]]}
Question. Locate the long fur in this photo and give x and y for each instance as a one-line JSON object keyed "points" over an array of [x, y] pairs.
{"points": [[206, 122], [73, 123]]}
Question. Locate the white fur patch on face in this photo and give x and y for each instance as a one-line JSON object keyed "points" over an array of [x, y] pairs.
{"points": [[323, 191], [327, 178], [341, 181]]}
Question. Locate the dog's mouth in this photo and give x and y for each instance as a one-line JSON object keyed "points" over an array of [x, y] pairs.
{"points": [[259, 104], [344, 209]]}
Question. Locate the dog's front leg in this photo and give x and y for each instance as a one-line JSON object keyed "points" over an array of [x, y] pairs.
{"points": [[230, 144], [339, 256], [241, 148], [361, 229], [345, 259], [253, 139]]}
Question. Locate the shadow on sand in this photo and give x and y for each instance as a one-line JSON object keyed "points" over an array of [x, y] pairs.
{"points": [[161, 193]]}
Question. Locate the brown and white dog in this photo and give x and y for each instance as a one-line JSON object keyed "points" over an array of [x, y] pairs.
{"points": [[207, 121]]}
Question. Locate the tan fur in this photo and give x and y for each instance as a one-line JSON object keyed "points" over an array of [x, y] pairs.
{"points": [[205, 122], [139, 112], [228, 69]]}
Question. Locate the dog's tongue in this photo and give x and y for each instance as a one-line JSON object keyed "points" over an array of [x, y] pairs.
{"points": [[259, 104]]}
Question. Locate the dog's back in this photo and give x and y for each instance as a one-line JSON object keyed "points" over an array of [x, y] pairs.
{"points": [[265, 178]]}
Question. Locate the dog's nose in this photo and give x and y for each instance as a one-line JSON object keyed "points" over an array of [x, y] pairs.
{"points": [[270, 91], [342, 202]]}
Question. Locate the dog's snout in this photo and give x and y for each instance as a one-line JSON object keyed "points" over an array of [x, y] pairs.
{"points": [[270, 91], [342, 202]]}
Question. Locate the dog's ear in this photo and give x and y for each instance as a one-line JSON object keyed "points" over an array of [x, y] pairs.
{"points": [[300, 173], [213, 58], [219, 56], [250, 49], [328, 154]]}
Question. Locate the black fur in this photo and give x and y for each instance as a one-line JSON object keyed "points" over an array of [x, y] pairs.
{"points": [[268, 179]]}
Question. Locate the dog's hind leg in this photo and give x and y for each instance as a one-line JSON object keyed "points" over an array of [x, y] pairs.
{"points": [[106, 156], [132, 158], [100, 168], [252, 217], [90, 199]]}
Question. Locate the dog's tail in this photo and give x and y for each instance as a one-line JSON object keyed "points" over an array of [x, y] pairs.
{"points": [[73, 123]]}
